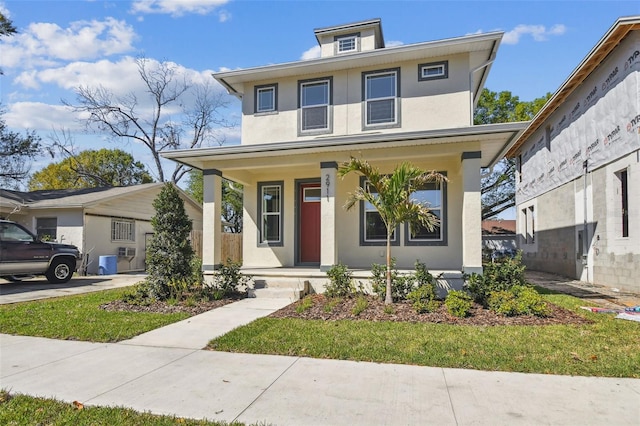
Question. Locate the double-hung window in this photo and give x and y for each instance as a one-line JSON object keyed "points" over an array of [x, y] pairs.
{"points": [[315, 101], [381, 102], [123, 230], [270, 205], [434, 196], [373, 230], [266, 98]]}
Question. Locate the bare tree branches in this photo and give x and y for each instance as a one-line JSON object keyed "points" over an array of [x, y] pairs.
{"points": [[149, 121]]}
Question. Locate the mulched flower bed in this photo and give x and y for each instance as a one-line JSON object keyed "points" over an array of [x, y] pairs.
{"points": [[327, 309]]}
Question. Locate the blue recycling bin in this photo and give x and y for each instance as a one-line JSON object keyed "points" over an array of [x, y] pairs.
{"points": [[107, 265]]}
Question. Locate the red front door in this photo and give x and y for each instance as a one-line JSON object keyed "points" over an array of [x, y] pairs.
{"points": [[309, 228]]}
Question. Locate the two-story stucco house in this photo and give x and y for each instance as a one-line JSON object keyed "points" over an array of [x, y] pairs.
{"points": [[578, 180], [386, 105]]}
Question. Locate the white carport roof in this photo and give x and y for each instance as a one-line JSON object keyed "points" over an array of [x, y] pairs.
{"points": [[239, 161]]}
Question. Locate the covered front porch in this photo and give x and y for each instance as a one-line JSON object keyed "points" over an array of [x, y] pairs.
{"points": [[273, 236]]}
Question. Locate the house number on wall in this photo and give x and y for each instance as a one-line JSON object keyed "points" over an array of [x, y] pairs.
{"points": [[327, 182]]}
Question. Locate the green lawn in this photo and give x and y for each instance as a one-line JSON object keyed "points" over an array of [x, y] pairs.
{"points": [[80, 318], [27, 410], [608, 347]]}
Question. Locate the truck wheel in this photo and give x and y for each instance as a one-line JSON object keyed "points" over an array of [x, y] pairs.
{"points": [[60, 271]]}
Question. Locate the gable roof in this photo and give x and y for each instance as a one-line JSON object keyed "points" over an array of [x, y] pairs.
{"points": [[73, 198], [611, 39]]}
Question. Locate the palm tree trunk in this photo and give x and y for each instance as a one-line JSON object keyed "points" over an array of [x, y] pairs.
{"points": [[388, 299]]}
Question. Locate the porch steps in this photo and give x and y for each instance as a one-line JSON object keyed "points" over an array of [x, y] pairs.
{"points": [[292, 288]]}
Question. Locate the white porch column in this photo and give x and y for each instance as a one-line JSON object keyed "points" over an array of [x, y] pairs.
{"points": [[211, 220], [328, 244], [471, 213]]}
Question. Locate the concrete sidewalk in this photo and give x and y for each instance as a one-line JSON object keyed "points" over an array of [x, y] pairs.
{"points": [[283, 390]]}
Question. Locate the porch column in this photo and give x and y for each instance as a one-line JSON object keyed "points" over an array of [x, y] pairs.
{"points": [[328, 244], [211, 220], [471, 213]]}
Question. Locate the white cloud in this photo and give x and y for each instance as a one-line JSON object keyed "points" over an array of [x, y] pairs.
{"points": [[41, 117], [176, 7], [224, 16], [537, 32], [46, 44], [313, 53], [4, 10]]}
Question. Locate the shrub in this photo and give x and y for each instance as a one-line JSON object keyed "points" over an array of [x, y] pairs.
{"points": [[458, 303], [361, 304], [518, 300], [228, 280], [423, 299], [497, 276], [304, 305], [169, 253], [401, 285], [340, 281]]}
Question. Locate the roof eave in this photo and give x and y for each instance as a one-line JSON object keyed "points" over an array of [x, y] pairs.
{"points": [[616, 33], [252, 74]]}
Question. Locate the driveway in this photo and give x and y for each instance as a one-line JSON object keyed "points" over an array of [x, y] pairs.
{"points": [[39, 288]]}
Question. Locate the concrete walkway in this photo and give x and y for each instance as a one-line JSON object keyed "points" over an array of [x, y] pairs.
{"points": [[283, 390], [166, 372]]}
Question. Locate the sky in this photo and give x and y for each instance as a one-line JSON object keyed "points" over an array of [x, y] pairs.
{"points": [[62, 45]]}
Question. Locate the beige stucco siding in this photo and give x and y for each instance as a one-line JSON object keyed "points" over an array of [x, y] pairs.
{"points": [[348, 224], [423, 105]]}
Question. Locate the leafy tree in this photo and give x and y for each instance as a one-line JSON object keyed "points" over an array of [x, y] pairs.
{"points": [[125, 117], [169, 254], [90, 169], [6, 28], [498, 188], [231, 199], [16, 151], [391, 196]]}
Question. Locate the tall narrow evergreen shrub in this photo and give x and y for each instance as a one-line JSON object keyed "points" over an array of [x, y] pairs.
{"points": [[169, 253]]}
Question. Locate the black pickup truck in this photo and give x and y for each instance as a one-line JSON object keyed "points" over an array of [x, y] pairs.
{"points": [[23, 254]]}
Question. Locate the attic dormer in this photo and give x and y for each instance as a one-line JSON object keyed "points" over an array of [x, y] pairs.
{"points": [[350, 38]]}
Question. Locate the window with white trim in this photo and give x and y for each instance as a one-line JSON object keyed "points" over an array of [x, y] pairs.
{"points": [[315, 98], [373, 229], [381, 98], [433, 70], [270, 206], [347, 43], [433, 195], [123, 230], [266, 98], [47, 228]]}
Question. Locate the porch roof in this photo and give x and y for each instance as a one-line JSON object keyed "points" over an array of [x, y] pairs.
{"points": [[492, 140]]}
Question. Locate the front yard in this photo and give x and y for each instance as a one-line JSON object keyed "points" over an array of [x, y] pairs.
{"points": [[581, 343]]}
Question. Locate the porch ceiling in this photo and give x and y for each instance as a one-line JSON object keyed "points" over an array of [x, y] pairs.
{"points": [[239, 162]]}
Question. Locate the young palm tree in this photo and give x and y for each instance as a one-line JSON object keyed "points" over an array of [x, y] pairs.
{"points": [[391, 196]]}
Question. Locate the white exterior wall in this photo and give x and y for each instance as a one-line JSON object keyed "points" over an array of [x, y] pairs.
{"points": [[424, 105], [599, 123], [69, 223]]}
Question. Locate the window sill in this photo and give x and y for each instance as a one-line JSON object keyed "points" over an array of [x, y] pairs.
{"points": [[259, 114]]}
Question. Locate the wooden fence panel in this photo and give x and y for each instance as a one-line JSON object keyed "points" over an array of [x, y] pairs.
{"points": [[231, 245]]}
